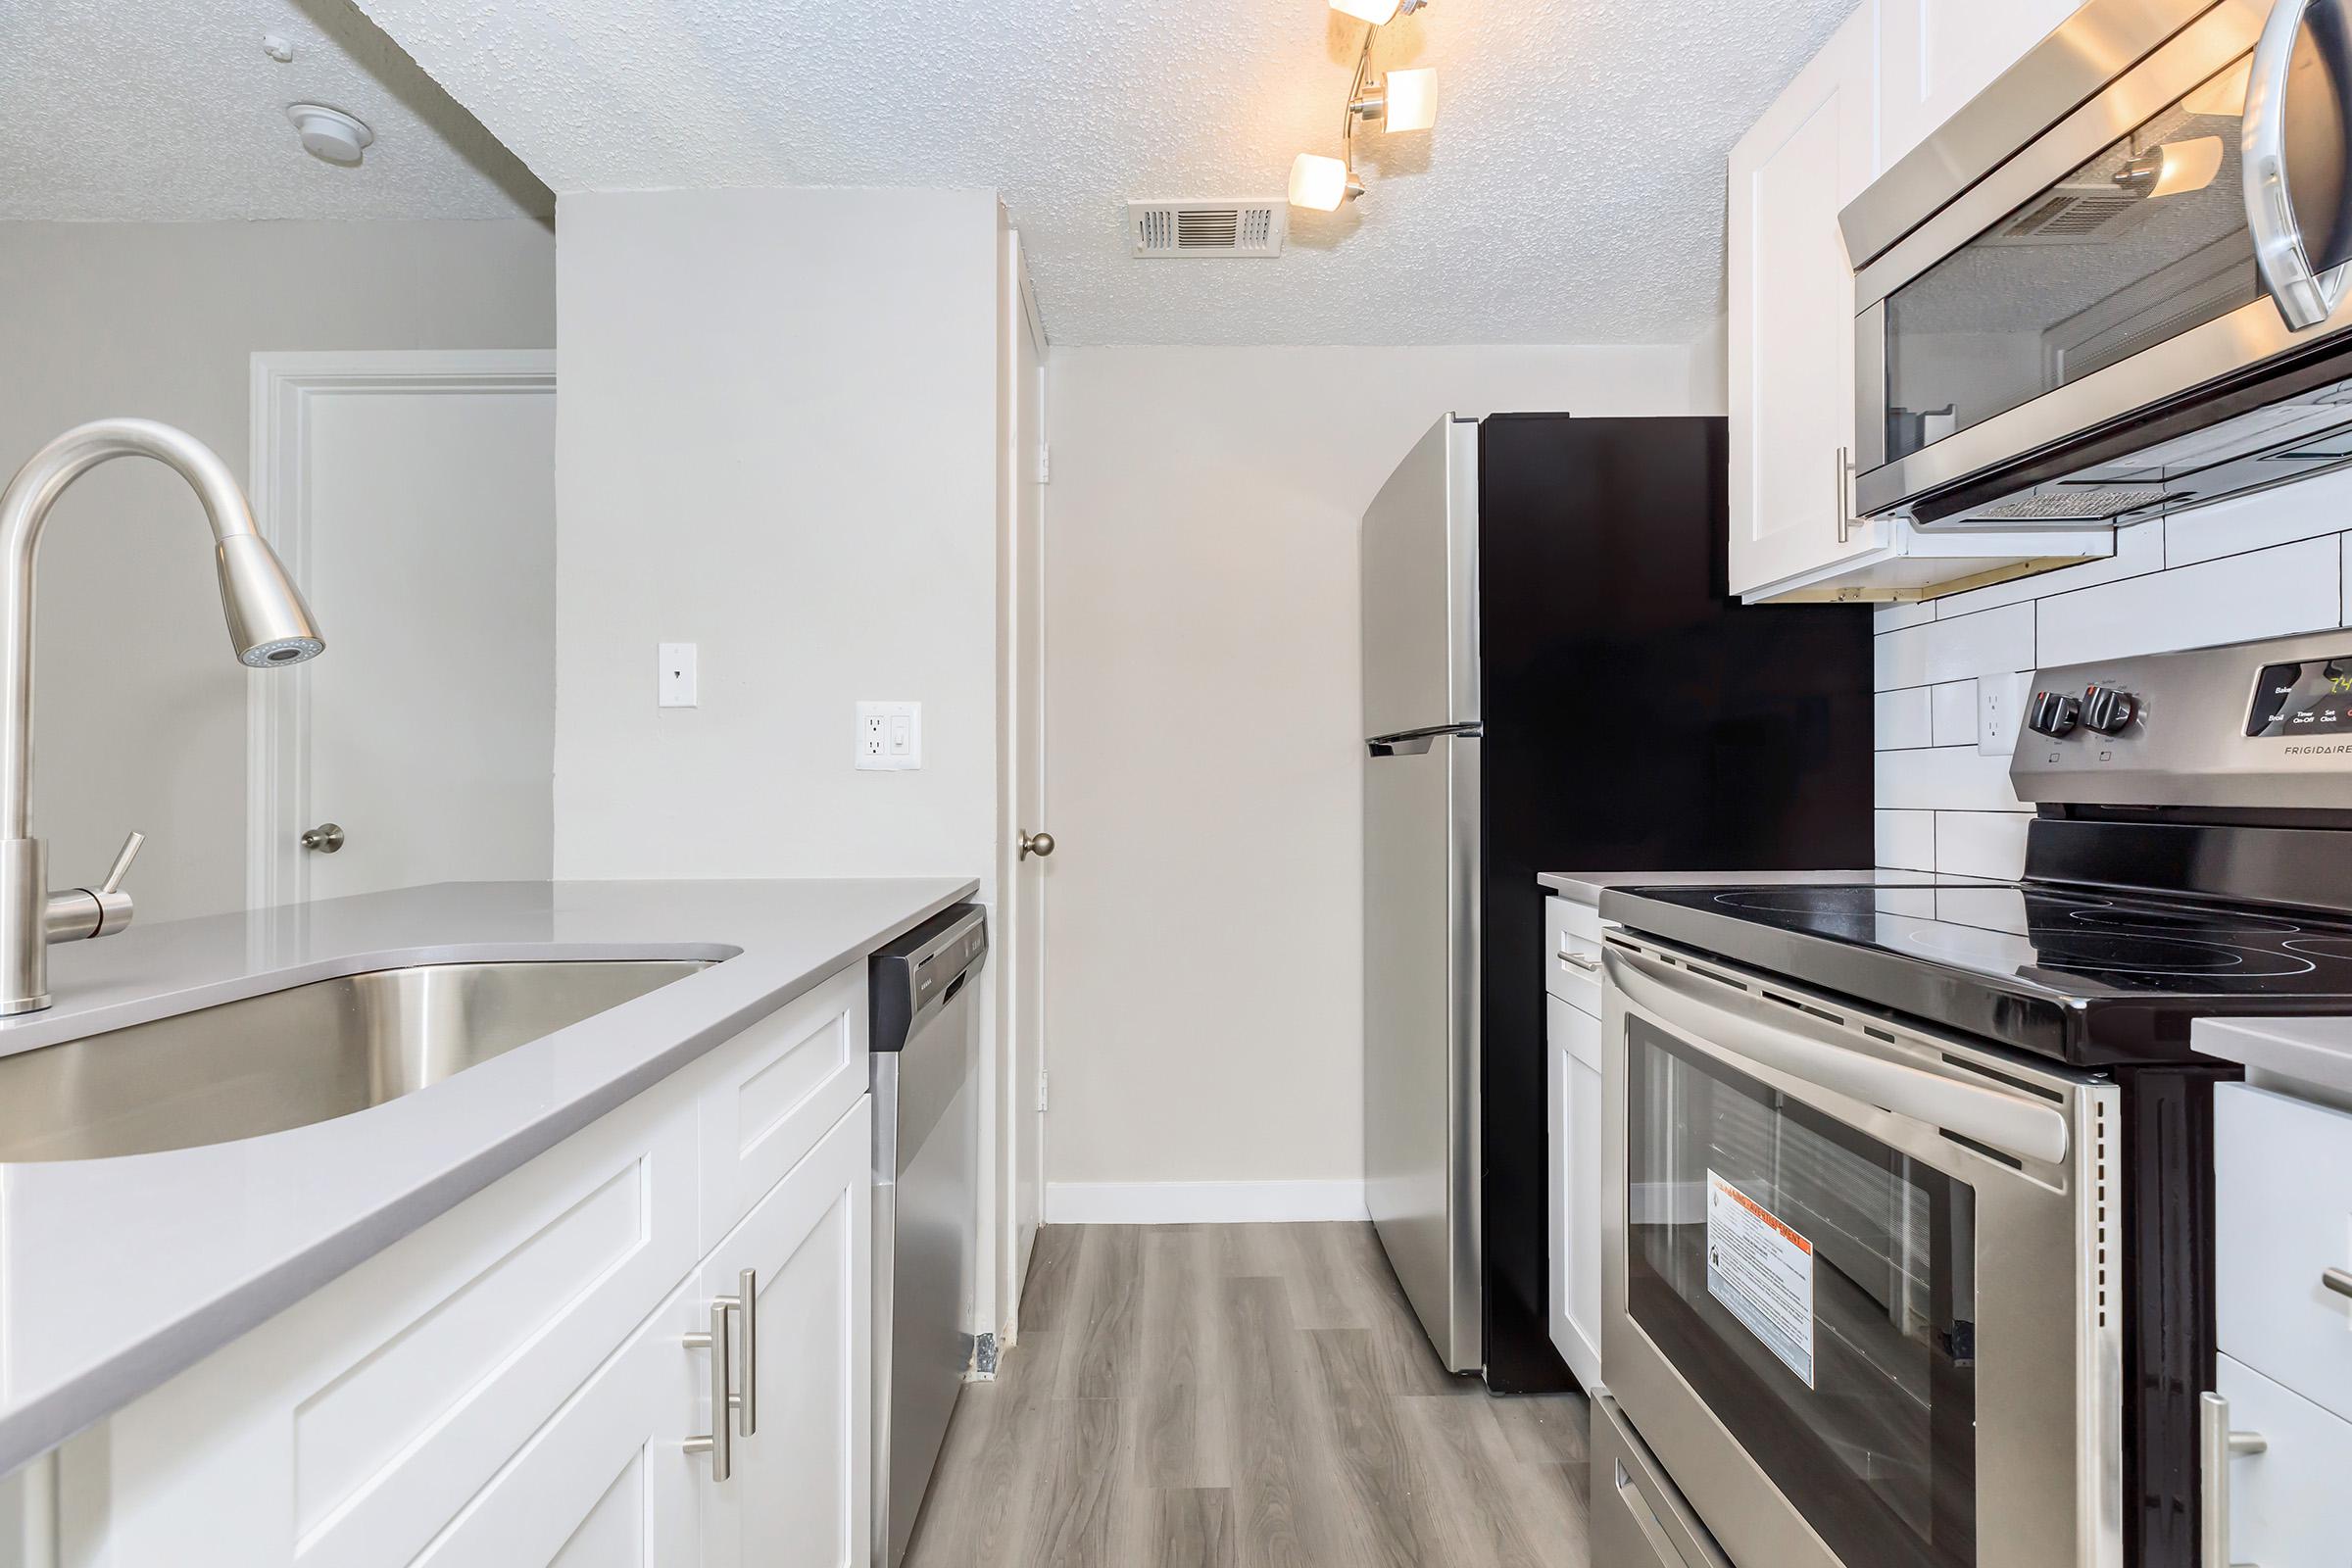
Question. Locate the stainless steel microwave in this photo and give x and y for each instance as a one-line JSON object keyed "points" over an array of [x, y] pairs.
{"points": [[2115, 283]]}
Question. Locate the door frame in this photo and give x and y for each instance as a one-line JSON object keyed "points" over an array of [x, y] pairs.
{"points": [[285, 387], [1024, 1123]]}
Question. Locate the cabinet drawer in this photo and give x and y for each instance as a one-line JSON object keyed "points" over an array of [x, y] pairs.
{"points": [[2288, 1505], [773, 1091], [350, 1430], [2283, 1192], [1572, 953]]}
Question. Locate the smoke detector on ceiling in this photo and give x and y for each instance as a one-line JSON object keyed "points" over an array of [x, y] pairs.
{"points": [[330, 134], [1253, 227]]}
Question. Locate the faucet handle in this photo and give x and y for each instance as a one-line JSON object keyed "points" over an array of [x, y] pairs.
{"points": [[123, 859]]}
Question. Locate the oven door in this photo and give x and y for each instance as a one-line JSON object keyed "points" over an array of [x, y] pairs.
{"points": [[2187, 226], [1854, 1287]]}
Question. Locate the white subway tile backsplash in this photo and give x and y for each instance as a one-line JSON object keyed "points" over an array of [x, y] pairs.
{"points": [[2266, 593], [1952, 713], [1907, 839], [1955, 649], [2138, 551], [1943, 778], [1981, 843], [1894, 617], [1901, 719], [2304, 509]]}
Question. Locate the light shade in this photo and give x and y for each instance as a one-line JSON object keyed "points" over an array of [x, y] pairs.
{"points": [[1377, 12], [1411, 99], [1318, 183]]}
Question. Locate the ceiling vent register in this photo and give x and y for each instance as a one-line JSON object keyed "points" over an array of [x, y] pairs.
{"points": [[1208, 228]]}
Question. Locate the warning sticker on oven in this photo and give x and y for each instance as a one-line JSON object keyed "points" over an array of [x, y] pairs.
{"points": [[1763, 1272]]}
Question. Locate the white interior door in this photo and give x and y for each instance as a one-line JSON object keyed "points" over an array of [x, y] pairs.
{"points": [[1022, 937], [414, 498]]}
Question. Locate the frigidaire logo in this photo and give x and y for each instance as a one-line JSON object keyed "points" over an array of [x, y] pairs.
{"points": [[2317, 750]]}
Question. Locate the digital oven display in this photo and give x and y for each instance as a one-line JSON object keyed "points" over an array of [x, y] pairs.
{"points": [[2314, 697]]}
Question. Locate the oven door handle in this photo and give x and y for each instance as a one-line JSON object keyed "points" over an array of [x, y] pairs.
{"points": [[2005, 1122]]}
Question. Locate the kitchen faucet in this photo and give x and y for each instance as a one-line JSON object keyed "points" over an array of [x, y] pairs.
{"points": [[267, 624]]}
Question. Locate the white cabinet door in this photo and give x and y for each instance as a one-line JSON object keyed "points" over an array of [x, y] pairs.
{"points": [[2288, 1506], [801, 1491], [1792, 315], [2282, 1191], [1575, 1081], [1935, 55], [608, 1483]]}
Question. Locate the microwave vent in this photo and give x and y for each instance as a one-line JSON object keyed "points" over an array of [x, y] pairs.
{"points": [[2061, 504], [2072, 215], [1208, 227]]}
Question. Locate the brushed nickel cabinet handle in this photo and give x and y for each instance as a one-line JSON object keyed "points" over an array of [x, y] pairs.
{"points": [[721, 1444], [2336, 1280], [1582, 960], [747, 1315], [2217, 1445]]}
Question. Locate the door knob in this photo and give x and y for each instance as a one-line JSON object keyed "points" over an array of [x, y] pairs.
{"points": [[1040, 845], [324, 839]]}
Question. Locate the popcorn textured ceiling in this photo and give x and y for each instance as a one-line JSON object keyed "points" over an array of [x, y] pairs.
{"points": [[1572, 192], [170, 109]]}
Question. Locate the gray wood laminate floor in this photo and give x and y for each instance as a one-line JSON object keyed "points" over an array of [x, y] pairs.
{"points": [[1243, 1397]]}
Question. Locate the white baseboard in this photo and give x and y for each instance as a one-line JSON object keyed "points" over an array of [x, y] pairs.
{"points": [[1201, 1202]]}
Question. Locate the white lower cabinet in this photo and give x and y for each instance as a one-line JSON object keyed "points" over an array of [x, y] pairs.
{"points": [[1575, 1092], [515, 1384], [802, 1488], [2288, 1506]]}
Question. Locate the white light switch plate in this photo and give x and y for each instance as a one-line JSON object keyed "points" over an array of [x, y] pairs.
{"points": [[2001, 709], [890, 736], [677, 675]]}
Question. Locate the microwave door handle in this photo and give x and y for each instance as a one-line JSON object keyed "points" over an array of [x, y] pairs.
{"points": [[2008, 1123], [2282, 251]]}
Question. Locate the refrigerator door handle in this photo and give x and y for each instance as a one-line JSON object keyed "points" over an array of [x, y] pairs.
{"points": [[1417, 742]]}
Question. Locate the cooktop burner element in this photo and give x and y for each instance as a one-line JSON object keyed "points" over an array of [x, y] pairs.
{"points": [[2082, 976]]}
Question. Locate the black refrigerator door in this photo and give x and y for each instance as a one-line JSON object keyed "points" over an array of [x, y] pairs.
{"points": [[1637, 717]]}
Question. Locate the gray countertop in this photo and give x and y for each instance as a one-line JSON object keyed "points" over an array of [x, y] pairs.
{"points": [[116, 1274], [2311, 1057], [1586, 886]]}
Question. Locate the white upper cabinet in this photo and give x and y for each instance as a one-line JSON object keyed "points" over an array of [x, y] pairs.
{"points": [[1792, 315], [1935, 55], [1792, 347]]}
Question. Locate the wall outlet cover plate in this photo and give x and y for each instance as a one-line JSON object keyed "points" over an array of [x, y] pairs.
{"points": [[889, 737]]}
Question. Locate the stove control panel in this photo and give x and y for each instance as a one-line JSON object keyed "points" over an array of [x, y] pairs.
{"points": [[2309, 698], [2252, 727]]}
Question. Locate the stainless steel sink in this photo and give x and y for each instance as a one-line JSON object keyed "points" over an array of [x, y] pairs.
{"points": [[287, 1058]]}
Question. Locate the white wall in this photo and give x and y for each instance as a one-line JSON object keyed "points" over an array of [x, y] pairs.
{"points": [[1204, 1001], [141, 706], [2264, 566], [776, 439]]}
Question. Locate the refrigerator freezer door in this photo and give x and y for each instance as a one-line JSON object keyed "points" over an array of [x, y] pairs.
{"points": [[1421, 1032], [1420, 587]]}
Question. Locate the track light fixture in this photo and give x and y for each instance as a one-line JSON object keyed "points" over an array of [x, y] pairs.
{"points": [[1403, 99]]}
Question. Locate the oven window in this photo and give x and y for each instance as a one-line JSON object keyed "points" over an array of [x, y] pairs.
{"points": [[1817, 1290], [2144, 242]]}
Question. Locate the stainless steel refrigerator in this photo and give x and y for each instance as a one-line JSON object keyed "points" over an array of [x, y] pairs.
{"points": [[1555, 679]]}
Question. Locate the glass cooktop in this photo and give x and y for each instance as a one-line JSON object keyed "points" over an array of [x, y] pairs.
{"points": [[2084, 976]]}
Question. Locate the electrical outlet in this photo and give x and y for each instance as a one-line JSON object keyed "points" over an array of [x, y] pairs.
{"points": [[677, 682], [890, 736], [2001, 709]]}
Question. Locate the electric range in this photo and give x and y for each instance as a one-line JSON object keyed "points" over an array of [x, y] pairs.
{"points": [[1909, 1259]]}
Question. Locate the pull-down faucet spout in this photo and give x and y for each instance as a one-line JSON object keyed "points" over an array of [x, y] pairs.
{"points": [[268, 625]]}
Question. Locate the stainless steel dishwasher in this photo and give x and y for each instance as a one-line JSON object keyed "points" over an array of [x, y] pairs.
{"points": [[925, 1040]]}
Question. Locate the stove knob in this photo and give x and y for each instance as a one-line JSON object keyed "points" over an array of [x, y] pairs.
{"points": [[2107, 710], [2052, 714]]}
